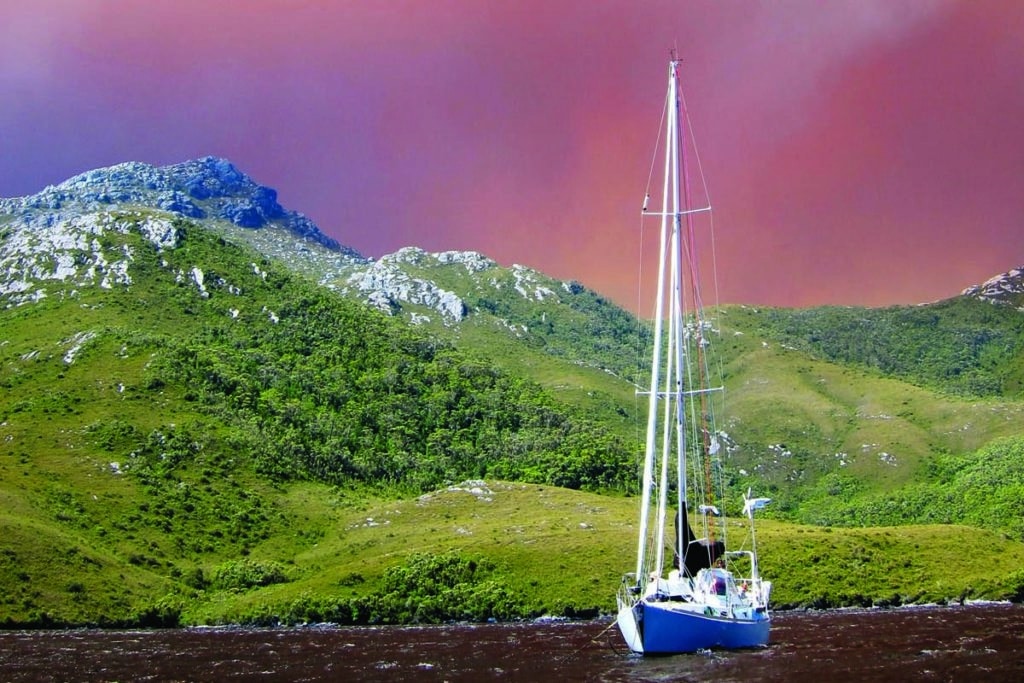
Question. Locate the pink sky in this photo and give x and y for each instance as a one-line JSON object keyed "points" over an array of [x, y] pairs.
{"points": [[857, 152]]}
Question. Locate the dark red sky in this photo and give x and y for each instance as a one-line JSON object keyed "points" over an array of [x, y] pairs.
{"points": [[857, 152]]}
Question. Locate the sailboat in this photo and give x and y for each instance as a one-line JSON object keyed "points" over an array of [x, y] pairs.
{"points": [[701, 594]]}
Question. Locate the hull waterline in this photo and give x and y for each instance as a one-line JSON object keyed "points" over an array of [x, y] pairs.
{"points": [[652, 628]]}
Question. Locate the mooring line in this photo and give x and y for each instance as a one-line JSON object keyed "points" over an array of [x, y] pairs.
{"points": [[592, 641]]}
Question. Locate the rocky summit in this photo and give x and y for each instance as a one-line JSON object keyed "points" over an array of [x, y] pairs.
{"points": [[207, 188], [1005, 288], [56, 234]]}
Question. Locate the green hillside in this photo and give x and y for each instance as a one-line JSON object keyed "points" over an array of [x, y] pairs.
{"points": [[827, 408], [575, 343], [472, 551], [149, 430], [209, 437], [561, 319], [809, 422], [962, 345], [818, 436], [549, 550], [211, 342]]}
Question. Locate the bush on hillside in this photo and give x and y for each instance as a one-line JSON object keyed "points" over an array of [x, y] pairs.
{"points": [[240, 575]]}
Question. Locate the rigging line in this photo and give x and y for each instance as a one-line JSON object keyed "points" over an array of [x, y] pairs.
{"points": [[592, 641], [688, 392], [640, 274], [693, 143], [657, 146], [647, 188], [707, 196], [697, 460], [682, 124], [638, 364], [643, 213]]}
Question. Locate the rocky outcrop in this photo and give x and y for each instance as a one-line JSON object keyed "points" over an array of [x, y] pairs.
{"points": [[386, 286], [1005, 288], [51, 237], [207, 188], [70, 254]]}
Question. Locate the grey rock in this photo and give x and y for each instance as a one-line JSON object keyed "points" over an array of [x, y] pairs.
{"points": [[196, 189]]}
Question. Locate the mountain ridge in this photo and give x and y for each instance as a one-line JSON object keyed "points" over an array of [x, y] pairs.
{"points": [[214, 190], [181, 406], [62, 222], [208, 187], [460, 295], [1004, 288], [517, 315]]}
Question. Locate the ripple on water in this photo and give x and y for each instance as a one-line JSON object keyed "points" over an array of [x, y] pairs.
{"points": [[938, 643]]}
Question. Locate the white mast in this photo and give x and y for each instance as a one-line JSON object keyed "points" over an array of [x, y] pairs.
{"points": [[677, 300], [659, 312], [666, 433], [673, 358]]}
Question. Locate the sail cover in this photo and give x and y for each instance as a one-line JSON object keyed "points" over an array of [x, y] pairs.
{"points": [[698, 553]]}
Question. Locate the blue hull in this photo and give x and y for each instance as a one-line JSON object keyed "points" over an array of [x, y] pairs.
{"points": [[668, 631]]}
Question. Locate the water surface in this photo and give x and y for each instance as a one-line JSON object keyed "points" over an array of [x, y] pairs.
{"points": [[980, 642]]}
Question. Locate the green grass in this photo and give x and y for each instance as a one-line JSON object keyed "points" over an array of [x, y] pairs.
{"points": [[831, 567], [838, 421], [961, 345], [563, 552], [189, 401], [595, 391], [558, 551], [143, 454]]}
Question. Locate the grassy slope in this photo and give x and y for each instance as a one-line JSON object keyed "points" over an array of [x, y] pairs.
{"points": [[597, 392], [81, 543], [960, 345], [114, 544], [805, 428], [577, 349], [839, 426], [107, 528], [81, 540], [562, 551], [565, 551]]}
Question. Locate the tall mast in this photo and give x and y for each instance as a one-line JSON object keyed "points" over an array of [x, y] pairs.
{"points": [[659, 313], [678, 160]]}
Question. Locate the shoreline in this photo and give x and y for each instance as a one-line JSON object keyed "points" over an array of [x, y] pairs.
{"points": [[545, 620]]}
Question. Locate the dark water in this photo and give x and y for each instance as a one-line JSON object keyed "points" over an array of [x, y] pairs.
{"points": [[983, 643]]}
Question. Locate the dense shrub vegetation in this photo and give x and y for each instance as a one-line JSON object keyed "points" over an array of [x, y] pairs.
{"points": [[984, 489], [426, 588], [961, 345], [244, 446], [432, 589], [332, 391], [592, 331], [244, 574]]}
